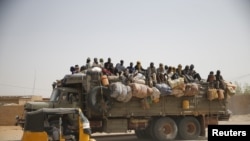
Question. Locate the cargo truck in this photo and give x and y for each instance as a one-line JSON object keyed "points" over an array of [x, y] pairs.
{"points": [[113, 105]]}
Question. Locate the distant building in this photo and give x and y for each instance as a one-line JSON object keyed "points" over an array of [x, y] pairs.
{"points": [[12, 106], [19, 100]]}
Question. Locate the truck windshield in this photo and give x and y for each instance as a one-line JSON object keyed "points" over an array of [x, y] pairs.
{"points": [[55, 95]]}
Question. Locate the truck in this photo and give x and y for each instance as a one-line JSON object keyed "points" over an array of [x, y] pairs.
{"points": [[165, 111]]}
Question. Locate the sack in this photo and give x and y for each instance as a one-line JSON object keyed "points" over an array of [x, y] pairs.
{"points": [[191, 89], [116, 89], [122, 96], [120, 92], [212, 94], [94, 75], [220, 94], [164, 89], [139, 90], [96, 69], [177, 93], [231, 88], [231, 91], [113, 78], [139, 76], [139, 81], [129, 94], [176, 82], [155, 95]]}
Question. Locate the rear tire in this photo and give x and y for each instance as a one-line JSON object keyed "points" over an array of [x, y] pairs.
{"points": [[141, 134], [151, 128], [99, 100], [165, 129], [189, 128]]}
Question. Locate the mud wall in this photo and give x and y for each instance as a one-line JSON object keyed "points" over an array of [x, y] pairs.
{"points": [[8, 114]]}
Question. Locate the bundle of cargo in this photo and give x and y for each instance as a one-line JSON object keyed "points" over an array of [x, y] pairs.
{"points": [[220, 93], [191, 89], [177, 92], [177, 86], [164, 88], [105, 81], [176, 83], [94, 73], [155, 95], [113, 78], [231, 88], [141, 90], [120, 92], [139, 78], [215, 94], [212, 94]]}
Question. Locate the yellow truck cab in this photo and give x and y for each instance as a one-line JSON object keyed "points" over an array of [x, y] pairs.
{"points": [[50, 124]]}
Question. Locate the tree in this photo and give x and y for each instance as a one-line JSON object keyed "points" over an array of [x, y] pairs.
{"points": [[238, 88], [246, 88]]}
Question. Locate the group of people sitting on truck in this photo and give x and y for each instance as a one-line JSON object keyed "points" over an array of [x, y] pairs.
{"points": [[153, 74]]}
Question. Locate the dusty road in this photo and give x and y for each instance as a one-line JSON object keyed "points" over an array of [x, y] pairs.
{"points": [[14, 133]]}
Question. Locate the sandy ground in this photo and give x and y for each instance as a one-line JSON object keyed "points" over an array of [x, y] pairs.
{"points": [[10, 133], [14, 133]]}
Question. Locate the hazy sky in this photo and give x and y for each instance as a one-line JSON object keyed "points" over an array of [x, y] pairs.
{"points": [[41, 39]]}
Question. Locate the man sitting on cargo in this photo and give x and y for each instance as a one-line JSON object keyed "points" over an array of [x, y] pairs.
{"points": [[101, 62], [175, 74], [131, 68], [211, 79], [119, 68], [139, 69], [186, 73], [193, 73], [96, 63], [88, 63], [151, 75], [77, 69], [72, 69], [179, 70], [108, 67], [160, 74], [219, 80]]}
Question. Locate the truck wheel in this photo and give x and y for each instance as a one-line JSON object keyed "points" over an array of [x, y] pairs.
{"points": [[147, 133], [151, 128], [100, 100], [189, 128], [165, 129], [138, 133], [141, 134]]}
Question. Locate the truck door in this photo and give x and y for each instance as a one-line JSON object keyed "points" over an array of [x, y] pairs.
{"points": [[67, 99]]}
